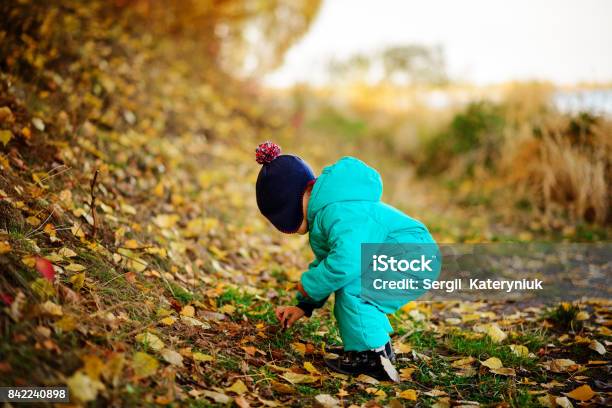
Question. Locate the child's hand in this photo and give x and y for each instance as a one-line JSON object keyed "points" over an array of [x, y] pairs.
{"points": [[287, 315]]}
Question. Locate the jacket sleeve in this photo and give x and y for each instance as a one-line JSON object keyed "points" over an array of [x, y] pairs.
{"points": [[308, 304], [346, 229]]}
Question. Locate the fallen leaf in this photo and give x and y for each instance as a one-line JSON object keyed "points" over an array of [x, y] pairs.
{"points": [[597, 346], [194, 322], [504, 371], [166, 220], [327, 401], [38, 124], [518, 350], [84, 388], [462, 362], [51, 308], [172, 357], [492, 330], [168, 321], [45, 268], [409, 394], [299, 348], [218, 397], [144, 365], [582, 393], [67, 252], [188, 311], [237, 388], [4, 247], [563, 402], [150, 340], [282, 388], [492, 363], [74, 267], [367, 379], [296, 378], [197, 356], [435, 393], [77, 280], [5, 136], [311, 369], [406, 373]]}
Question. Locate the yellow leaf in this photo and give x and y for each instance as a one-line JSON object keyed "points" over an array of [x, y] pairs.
{"points": [[410, 395], [582, 315], [296, 378], [197, 356], [43, 288], [144, 365], [75, 267], [466, 361], [33, 221], [5, 136], [50, 230], [29, 261], [166, 220], [520, 351], [404, 348], [168, 321], [4, 247], [504, 371], [238, 388], [299, 348], [77, 280], [131, 244], [150, 340], [66, 324], [406, 373], [51, 309], [492, 363], [311, 369], [227, 308], [582, 393], [84, 388], [93, 366], [492, 330], [188, 311], [77, 231]]}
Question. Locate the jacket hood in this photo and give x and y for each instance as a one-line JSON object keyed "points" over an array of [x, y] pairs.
{"points": [[349, 179]]}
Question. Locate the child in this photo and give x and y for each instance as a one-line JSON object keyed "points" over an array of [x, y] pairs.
{"points": [[340, 209]]}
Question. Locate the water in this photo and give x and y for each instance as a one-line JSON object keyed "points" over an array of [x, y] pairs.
{"points": [[596, 101]]}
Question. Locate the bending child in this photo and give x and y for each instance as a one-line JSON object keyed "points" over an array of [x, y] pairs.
{"points": [[341, 209]]}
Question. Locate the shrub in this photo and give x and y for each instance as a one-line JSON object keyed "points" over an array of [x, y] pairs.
{"points": [[474, 136]]}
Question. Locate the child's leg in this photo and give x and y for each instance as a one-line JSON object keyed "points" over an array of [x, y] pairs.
{"points": [[362, 326]]}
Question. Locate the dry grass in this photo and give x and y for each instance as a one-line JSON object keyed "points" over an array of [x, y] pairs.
{"points": [[564, 171]]}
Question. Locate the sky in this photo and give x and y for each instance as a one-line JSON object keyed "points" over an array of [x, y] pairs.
{"points": [[484, 41]]}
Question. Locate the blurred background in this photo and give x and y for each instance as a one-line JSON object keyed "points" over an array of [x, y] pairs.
{"points": [[490, 120]]}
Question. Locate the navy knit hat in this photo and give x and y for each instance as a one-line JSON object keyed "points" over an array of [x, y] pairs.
{"points": [[280, 186]]}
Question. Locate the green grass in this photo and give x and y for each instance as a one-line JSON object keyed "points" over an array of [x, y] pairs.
{"points": [[484, 348]]}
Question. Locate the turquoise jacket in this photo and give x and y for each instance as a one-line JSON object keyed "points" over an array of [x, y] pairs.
{"points": [[345, 210]]}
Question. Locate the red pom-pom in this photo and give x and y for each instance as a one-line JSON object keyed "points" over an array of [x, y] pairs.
{"points": [[266, 152]]}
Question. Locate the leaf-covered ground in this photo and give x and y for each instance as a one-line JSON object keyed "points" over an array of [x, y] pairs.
{"points": [[137, 270]]}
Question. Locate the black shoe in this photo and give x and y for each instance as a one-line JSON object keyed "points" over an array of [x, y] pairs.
{"points": [[376, 364], [386, 352]]}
